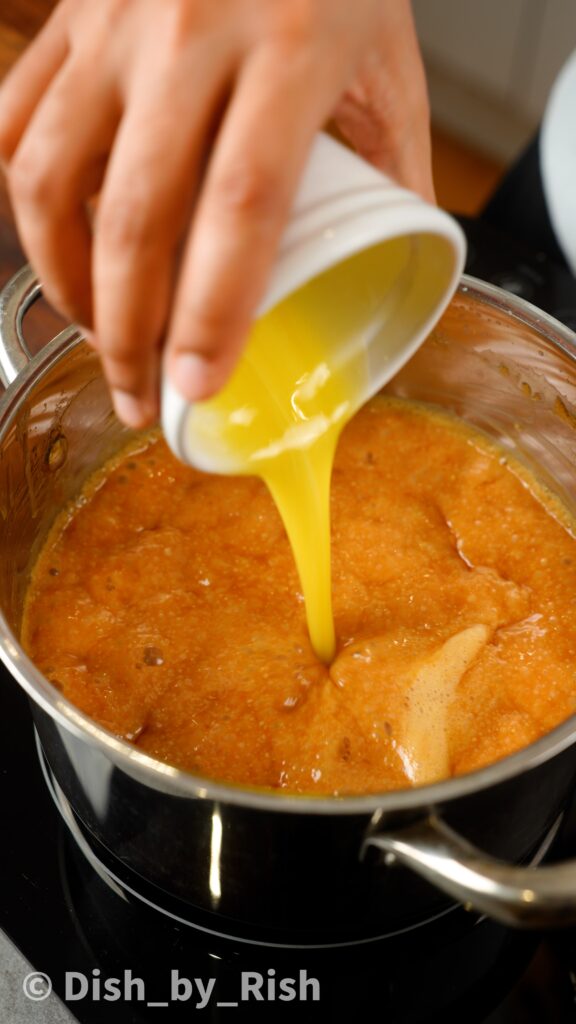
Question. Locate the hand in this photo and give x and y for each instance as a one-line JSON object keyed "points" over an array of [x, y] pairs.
{"points": [[191, 120]]}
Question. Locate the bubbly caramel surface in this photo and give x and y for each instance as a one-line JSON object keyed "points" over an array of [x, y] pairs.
{"points": [[166, 606]]}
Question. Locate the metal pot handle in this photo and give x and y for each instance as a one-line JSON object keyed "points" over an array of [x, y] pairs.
{"points": [[15, 300], [528, 897]]}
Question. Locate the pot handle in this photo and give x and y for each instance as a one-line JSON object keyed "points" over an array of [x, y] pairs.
{"points": [[15, 300], [527, 897]]}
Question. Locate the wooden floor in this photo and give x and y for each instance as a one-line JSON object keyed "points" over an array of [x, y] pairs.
{"points": [[463, 177], [19, 21]]}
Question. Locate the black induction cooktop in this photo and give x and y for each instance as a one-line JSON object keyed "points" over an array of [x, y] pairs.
{"points": [[110, 958], [533, 275]]}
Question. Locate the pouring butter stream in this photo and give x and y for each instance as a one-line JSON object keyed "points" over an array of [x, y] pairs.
{"points": [[305, 372], [362, 273]]}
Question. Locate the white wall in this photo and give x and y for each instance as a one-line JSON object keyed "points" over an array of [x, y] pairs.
{"points": [[491, 64]]}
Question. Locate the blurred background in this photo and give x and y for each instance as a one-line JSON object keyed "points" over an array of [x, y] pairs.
{"points": [[490, 66]]}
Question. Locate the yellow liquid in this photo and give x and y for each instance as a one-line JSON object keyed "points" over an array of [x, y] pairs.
{"points": [[304, 374]]}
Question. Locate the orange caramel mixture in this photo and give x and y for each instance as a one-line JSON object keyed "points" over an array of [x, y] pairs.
{"points": [[166, 606]]}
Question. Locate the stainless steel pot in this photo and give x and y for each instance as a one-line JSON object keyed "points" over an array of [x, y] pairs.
{"points": [[260, 866]]}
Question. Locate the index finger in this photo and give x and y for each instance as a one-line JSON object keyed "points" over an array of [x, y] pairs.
{"points": [[260, 152]]}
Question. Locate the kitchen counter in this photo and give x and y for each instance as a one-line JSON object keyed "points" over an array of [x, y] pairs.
{"points": [[13, 1004]]}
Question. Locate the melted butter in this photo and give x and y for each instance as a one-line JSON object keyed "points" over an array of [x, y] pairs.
{"points": [[305, 372]]}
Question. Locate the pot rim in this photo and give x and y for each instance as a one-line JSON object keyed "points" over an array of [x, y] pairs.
{"points": [[185, 784]]}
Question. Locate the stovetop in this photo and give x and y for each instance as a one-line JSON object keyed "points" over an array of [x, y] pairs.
{"points": [[83, 936], [110, 958], [533, 276]]}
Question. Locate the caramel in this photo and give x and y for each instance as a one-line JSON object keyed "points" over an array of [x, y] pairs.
{"points": [[166, 605]]}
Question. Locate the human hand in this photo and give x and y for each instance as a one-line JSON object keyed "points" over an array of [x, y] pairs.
{"points": [[191, 121]]}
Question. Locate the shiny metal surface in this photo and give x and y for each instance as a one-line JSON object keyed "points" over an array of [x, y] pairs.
{"points": [[15, 299], [296, 864], [513, 895]]}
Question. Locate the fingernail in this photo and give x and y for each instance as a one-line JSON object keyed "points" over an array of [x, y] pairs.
{"points": [[129, 409], [192, 376]]}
